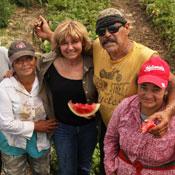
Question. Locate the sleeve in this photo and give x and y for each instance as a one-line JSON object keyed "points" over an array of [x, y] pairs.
{"points": [[111, 143], [8, 122]]}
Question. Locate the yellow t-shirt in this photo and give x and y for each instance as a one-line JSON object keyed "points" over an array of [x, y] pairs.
{"points": [[116, 79]]}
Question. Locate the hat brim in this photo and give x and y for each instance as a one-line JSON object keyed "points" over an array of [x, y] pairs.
{"points": [[154, 80], [21, 53]]}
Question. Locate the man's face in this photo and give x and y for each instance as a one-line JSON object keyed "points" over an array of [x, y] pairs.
{"points": [[113, 37]]}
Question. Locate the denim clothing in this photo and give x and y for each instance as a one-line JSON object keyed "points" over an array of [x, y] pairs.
{"points": [[74, 147], [74, 144]]}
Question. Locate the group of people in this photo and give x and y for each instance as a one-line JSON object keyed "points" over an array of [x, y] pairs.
{"points": [[34, 99]]}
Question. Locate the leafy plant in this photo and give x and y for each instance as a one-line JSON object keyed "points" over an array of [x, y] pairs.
{"points": [[163, 17], [5, 12], [85, 11], [28, 3], [95, 161]]}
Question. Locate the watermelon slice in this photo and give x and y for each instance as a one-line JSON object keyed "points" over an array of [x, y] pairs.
{"points": [[83, 110], [147, 125]]}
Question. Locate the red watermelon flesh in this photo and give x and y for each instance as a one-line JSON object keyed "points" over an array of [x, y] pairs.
{"points": [[83, 110]]}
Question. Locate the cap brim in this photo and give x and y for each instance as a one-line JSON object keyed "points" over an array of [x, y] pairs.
{"points": [[19, 54], [154, 80]]}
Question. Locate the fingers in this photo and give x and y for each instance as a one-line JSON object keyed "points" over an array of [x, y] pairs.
{"points": [[161, 120], [160, 133], [8, 74], [90, 117], [155, 117], [51, 125], [160, 129], [41, 18], [45, 125], [38, 23]]}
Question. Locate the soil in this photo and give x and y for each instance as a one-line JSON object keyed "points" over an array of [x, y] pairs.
{"points": [[141, 28], [20, 25]]}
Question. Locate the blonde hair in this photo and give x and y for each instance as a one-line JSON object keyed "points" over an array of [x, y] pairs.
{"points": [[74, 29]]}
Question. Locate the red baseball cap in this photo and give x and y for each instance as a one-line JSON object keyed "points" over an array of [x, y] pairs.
{"points": [[155, 71]]}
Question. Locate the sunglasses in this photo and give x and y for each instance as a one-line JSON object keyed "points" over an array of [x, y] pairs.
{"points": [[111, 29]]}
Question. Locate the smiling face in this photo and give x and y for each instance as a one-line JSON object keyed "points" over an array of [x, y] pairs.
{"points": [[115, 41], [24, 66], [71, 48], [151, 97], [70, 39]]}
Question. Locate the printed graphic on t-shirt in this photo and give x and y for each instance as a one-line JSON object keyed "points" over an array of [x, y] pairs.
{"points": [[109, 85], [30, 110]]}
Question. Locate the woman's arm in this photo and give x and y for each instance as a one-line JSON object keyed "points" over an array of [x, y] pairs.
{"points": [[42, 29]]}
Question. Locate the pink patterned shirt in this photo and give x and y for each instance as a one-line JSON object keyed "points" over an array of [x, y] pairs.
{"points": [[124, 133]]}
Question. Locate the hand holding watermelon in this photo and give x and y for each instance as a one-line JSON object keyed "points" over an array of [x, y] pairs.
{"points": [[147, 125], [84, 110]]}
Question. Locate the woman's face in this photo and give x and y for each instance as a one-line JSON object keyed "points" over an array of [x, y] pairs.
{"points": [[24, 66], [71, 48], [151, 96]]}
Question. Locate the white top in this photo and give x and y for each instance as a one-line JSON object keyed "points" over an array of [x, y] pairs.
{"points": [[18, 110], [4, 62]]}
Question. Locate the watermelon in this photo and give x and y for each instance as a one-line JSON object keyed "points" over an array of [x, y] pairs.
{"points": [[147, 125], [83, 110]]}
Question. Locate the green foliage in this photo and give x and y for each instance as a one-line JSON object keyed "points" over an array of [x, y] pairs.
{"points": [[95, 161], [27, 3], [162, 13], [85, 11], [53, 162], [5, 12]]}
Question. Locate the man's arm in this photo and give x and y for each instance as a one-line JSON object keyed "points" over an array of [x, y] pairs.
{"points": [[171, 97], [165, 116]]}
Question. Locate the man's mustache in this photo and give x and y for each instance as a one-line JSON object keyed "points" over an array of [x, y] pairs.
{"points": [[108, 40]]}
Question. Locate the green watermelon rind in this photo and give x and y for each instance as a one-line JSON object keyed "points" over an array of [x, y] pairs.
{"points": [[97, 106]]}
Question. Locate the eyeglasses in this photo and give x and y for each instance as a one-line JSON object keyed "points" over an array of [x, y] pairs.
{"points": [[111, 29]]}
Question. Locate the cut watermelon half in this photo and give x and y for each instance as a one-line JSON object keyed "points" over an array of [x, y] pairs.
{"points": [[83, 110]]}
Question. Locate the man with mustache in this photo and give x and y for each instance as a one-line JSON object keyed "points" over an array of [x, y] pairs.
{"points": [[117, 60]]}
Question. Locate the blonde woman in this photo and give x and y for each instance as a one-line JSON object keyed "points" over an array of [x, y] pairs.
{"points": [[68, 71]]}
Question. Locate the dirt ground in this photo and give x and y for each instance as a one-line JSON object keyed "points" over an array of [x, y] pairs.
{"points": [[142, 31], [21, 25]]}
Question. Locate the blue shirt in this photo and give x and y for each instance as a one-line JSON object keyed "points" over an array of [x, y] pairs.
{"points": [[31, 147]]}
